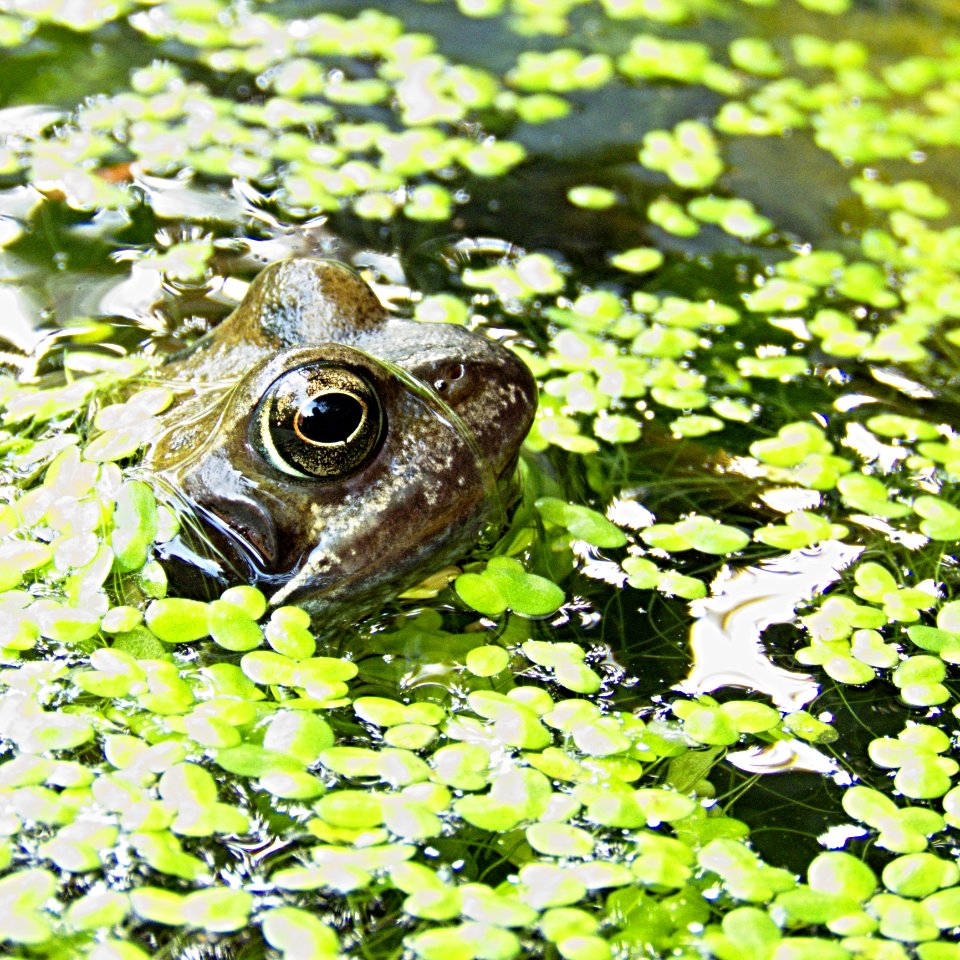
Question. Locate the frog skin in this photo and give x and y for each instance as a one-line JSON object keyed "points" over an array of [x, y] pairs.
{"points": [[331, 451]]}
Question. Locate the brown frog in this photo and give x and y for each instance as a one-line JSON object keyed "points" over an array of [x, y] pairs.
{"points": [[333, 452]]}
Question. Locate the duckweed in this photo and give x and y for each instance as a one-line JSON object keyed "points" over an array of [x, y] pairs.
{"points": [[637, 260], [688, 155], [581, 522], [503, 585], [591, 197], [734, 216], [488, 793]]}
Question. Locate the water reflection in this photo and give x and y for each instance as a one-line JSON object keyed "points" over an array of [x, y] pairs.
{"points": [[726, 639], [781, 757]]}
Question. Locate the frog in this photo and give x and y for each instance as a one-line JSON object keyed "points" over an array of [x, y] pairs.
{"points": [[331, 451]]}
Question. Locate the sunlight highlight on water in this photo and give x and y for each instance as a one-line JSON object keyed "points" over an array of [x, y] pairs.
{"points": [[726, 639]]}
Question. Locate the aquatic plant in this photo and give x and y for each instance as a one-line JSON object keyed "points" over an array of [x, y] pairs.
{"points": [[505, 762]]}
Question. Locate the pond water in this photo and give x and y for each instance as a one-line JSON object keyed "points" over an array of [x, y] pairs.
{"points": [[699, 698]]}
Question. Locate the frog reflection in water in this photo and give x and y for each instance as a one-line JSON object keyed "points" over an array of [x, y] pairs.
{"points": [[334, 453]]}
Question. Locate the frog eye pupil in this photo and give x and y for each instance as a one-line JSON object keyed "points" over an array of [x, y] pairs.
{"points": [[329, 418]]}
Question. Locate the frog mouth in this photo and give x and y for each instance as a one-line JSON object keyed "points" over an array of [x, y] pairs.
{"points": [[210, 549], [322, 588]]}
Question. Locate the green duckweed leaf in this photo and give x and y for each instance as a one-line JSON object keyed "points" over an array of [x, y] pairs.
{"points": [[868, 647], [800, 529], [296, 932], [250, 760], [254, 604], [617, 429], [582, 522], [750, 929], [869, 494], [902, 830], [545, 885], [779, 294], [468, 941], [755, 56], [672, 218], [904, 920], [560, 840], [267, 669], [521, 794], [905, 428], [291, 785], [298, 734], [638, 260], [514, 722], [944, 907], [481, 593], [121, 619], [487, 661], [351, 808], [163, 852], [99, 909], [591, 198], [695, 425], [442, 308], [735, 216], [217, 909], [706, 723], [506, 585], [461, 765], [178, 621], [158, 905], [231, 627], [561, 923], [793, 444], [841, 874], [744, 875], [941, 520], [688, 155], [135, 524], [919, 875]]}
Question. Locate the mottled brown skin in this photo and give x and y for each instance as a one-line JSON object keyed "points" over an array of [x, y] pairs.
{"points": [[456, 407]]}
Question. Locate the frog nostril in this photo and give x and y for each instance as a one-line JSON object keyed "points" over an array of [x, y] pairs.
{"points": [[447, 376]]}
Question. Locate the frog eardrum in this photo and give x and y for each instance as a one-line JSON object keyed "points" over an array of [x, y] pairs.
{"points": [[331, 452], [318, 422]]}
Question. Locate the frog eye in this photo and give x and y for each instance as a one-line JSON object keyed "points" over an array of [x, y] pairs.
{"points": [[318, 421]]}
